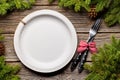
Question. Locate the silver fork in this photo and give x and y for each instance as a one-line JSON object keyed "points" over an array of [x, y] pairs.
{"points": [[93, 31]]}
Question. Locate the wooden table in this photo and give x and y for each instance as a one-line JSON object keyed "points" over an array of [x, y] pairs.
{"points": [[82, 25]]}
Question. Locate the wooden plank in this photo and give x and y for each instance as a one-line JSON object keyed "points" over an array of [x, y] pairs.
{"points": [[80, 20], [84, 28], [100, 39], [63, 74], [9, 48], [27, 74], [73, 76], [9, 28], [68, 75], [82, 25]]}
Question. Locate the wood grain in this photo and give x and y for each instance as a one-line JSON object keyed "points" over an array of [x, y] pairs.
{"points": [[100, 39], [82, 24], [64, 74], [80, 20]]}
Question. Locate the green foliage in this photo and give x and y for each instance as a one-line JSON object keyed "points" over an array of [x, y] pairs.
{"points": [[50, 1], [9, 5], [1, 37], [102, 4], [8, 72], [110, 7], [112, 15], [106, 64], [75, 4]]}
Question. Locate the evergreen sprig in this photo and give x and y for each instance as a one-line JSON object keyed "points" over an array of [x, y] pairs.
{"points": [[106, 64], [110, 7], [7, 72], [75, 4], [113, 15], [9, 5]]}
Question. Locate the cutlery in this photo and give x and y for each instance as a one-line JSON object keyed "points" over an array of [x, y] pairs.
{"points": [[77, 58], [93, 31]]}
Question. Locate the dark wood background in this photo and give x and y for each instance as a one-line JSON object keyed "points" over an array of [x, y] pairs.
{"points": [[82, 25]]}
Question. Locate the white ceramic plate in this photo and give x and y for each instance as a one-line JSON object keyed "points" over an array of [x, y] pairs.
{"points": [[45, 41]]}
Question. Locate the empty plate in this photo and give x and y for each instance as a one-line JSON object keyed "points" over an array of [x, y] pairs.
{"points": [[45, 41]]}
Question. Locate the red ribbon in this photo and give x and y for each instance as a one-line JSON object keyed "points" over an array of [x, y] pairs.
{"points": [[83, 46]]}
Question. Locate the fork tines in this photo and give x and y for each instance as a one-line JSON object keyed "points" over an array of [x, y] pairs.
{"points": [[96, 24]]}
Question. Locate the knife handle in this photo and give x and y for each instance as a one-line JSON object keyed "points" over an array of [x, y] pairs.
{"points": [[75, 61], [82, 61]]}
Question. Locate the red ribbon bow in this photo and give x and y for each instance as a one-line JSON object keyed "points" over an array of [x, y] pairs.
{"points": [[83, 46]]}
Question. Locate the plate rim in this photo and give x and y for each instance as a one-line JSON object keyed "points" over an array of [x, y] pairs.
{"points": [[37, 13]]}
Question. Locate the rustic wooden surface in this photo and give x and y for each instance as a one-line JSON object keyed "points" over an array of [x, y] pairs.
{"points": [[82, 25]]}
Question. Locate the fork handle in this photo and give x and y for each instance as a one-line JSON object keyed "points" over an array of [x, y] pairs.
{"points": [[76, 61], [84, 57], [82, 61]]}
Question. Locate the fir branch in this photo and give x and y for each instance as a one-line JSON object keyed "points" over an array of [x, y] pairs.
{"points": [[106, 64], [87, 2], [110, 8], [50, 1], [9, 5], [75, 4], [7, 72]]}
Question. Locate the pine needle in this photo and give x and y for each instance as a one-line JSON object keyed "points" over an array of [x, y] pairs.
{"points": [[106, 63]]}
